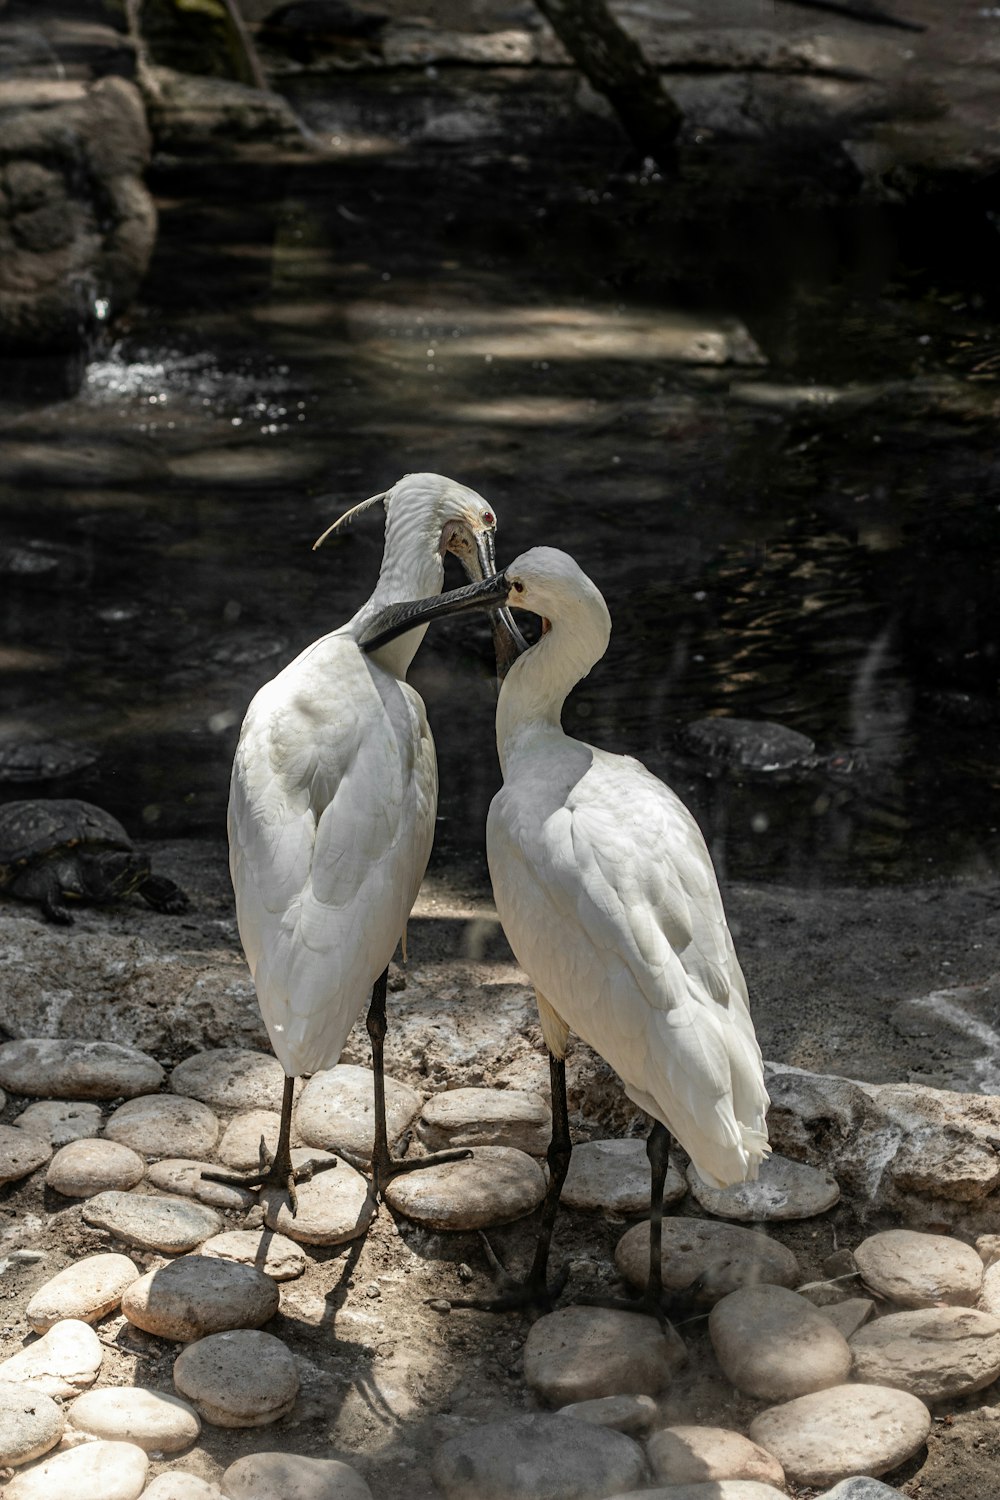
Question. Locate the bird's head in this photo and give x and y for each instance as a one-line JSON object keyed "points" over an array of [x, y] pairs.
{"points": [[441, 512], [543, 580]]}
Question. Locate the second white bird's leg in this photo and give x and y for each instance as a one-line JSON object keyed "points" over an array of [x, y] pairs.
{"points": [[534, 1290], [384, 1164], [658, 1152], [277, 1170]]}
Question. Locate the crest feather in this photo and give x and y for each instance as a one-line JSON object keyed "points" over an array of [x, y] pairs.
{"points": [[349, 516]]}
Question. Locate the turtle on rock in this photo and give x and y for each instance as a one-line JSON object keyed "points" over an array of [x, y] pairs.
{"points": [[54, 850]]}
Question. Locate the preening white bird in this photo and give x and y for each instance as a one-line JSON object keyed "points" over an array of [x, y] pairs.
{"points": [[609, 900], [332, 807]]}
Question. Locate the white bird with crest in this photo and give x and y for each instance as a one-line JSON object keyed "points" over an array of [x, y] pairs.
{"points": [[332, 808], [609, 900]]}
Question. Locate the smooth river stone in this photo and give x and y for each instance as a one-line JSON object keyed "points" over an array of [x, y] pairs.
{"points": [[693, 1455], [538, 1457], [93, 1471], [178, 1484], [231, 1078], [582, 1353], [62, 1363], [920, 1270], [486, 1117], [719, 1489], [196, 1295], [151, 1222], [717, 1257], [849, 1429], [861, 1487], [936, 1353], [50, 1069], [30, 1424], [156, 1421], [274, 1254], [631, 1414], [331, 1208], [492, 1186], [612, 1176], [21, 1153], [238, 1379], [773, 1344], [989, 1296], [783, 1190], [240, 1144], [337, 1109], [88, 1289], [179, 1175], [266, 1476], [59, 1121], [164, 1125], [84, 1168]]}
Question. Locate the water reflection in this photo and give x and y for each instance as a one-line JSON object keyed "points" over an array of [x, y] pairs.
{"points": [[817, 555]]}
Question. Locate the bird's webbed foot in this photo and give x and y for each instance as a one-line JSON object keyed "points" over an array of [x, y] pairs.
{"points": [[647, 1304], [384, 1169], [276, 1171], [534, 1292]]}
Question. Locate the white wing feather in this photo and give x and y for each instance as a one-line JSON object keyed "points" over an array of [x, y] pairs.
{"points": [[608, 896], [331, 819]]}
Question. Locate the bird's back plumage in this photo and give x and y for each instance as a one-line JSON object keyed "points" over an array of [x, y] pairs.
{"points": [[331, 820], [607, 894]]}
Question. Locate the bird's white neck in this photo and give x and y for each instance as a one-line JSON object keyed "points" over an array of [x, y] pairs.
{"points": [[412, 568], [536, 687]]}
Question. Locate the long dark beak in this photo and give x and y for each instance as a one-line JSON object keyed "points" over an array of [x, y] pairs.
{"points": [[490, 594], [508, 642]]}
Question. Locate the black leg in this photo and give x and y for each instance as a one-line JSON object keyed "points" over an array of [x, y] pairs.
{"points": [[650, 1301], [277, 1170], [163, 895], [384, 1165], [534, 1291]]}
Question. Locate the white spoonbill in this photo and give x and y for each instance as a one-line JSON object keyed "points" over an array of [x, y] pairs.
{"points": [[608, 897], [332, 806]]}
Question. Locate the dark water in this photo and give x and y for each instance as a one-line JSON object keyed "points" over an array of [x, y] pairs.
{"points": [[769, 435]]}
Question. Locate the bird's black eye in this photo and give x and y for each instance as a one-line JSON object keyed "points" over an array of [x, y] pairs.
{"points": [[517, 586]]}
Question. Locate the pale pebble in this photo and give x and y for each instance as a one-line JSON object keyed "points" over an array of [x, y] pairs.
{"points": [[936, 1353], [179, 1484], [688, 1454], [333, 1207], [231, 1078], [55, 1069], [266, 1476], [63, 1362], [92, 1471], [486, 1117], [336, 1109], [164, 1125], [172, 1225], [920, 1270], [197, 1295], [849, 1429], [707, 1257], [850, 1315], [243, 1378], [86, 1289], [783, 1189], [537, 1457], [612, 1176], [21, 1153], [631, 1414], [774, 1345], [274, 1254], [185, 1177], [30, 1423], [719, 1489], [155, 1420], [60, 1121], [493, 1185], [582, 1353], [86, 1167]]}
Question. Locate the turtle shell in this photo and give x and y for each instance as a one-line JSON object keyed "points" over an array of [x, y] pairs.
{"points": [[33, 830], [751, 744]]}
